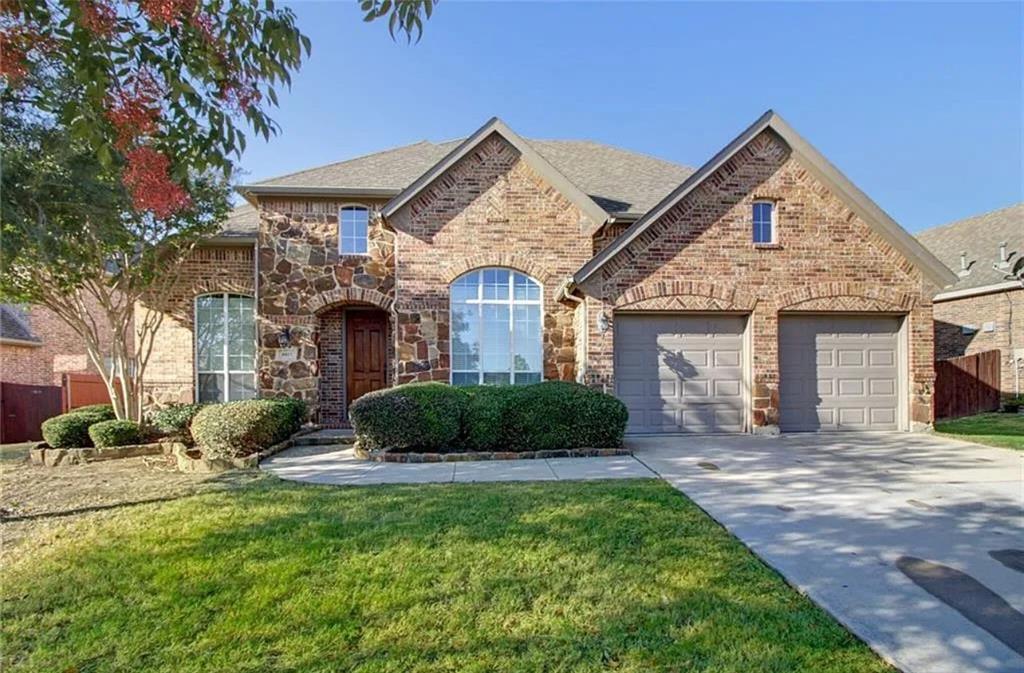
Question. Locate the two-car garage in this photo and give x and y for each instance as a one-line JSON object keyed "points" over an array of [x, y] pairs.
{"points": [[687, 372]]}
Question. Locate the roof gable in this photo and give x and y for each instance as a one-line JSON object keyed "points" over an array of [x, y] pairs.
{"points": [[818, 166], [554, 177]]}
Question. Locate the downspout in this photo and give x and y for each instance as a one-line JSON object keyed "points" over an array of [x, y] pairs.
{"points": [[565, 292]]}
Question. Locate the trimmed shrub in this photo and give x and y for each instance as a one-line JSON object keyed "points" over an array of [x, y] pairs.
{"points": [[551, 415], [236, 429], [175, 419], [412, 417], [71, 430], [106, 434], [562, 415], [106, 411], [484, 418]]}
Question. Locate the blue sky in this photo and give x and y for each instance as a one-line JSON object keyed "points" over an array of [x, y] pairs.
{"points": [[919, 104]]}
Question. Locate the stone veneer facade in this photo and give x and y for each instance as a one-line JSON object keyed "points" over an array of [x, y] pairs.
{"points": [[699, 257]]}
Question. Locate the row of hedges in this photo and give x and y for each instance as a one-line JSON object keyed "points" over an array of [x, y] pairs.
{"points": [[231, 429], [437, 417], [71, 430]]}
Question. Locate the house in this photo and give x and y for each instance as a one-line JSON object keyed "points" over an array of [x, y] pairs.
{"points": [[762, 291], [984, 309], [37, 348]]}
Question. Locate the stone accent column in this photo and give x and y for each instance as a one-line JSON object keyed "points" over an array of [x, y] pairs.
{"points": [[764, 396]]}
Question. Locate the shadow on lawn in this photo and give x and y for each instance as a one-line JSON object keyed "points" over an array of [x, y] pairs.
{"points": [[446, 577]]}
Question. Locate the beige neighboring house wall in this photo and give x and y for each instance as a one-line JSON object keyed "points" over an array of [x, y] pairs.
{"points": [[984, 310]]}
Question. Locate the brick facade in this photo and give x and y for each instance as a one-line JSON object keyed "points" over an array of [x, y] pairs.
{"points": [[699, 257], [494, 208], [170, 373], [1005, 311], [490, 209]]}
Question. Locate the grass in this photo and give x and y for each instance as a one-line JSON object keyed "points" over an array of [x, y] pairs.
{"points": [[563, 576], [1002, 430]]}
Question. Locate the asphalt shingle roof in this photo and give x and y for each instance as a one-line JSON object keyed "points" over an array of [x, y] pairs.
{"points": [[979, 237], [619, 181], [243, 222], [14, 325]]}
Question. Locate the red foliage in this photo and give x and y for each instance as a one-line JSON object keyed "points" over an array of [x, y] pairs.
{"points": [[13, 57], [99, 17], [168, 12], [240, 95], [148, 178], [134, 112], [204, 24]]}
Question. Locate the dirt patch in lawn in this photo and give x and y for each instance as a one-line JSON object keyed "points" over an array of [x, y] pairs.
{"points": [[37, 503]]}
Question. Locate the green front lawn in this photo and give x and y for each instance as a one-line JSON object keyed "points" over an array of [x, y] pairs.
{"points": [[1003, 430], [599, 576]]}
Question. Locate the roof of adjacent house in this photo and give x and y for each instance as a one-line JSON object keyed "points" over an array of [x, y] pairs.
{"points": [[619, 181], [242, 223], [14, 326], [979, 237]]}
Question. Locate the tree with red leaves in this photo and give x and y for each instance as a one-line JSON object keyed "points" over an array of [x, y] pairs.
{"points": [[122, 122]]}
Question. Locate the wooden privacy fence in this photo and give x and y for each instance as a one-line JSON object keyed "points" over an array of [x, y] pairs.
{"points": [[24, 408], [967, 385], [81, 390]]}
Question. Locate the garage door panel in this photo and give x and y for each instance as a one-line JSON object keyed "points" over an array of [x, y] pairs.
{"points": [[691, 367], [844, 377]]}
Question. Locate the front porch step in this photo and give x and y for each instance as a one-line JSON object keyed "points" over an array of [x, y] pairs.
{"points": [[325, 438]]}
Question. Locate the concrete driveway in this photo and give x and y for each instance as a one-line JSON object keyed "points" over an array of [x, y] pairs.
{"points": [[915, 543]]}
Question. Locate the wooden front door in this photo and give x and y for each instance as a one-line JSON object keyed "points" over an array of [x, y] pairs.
{"points": [[365, 352]]}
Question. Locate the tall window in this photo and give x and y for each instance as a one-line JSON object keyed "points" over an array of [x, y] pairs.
{"points": [[225, 348], [764, 222], [354, 223], [496, 328]]}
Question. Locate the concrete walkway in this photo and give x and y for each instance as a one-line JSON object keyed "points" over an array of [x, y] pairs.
{"points": [[336, 465], [915, 543]]}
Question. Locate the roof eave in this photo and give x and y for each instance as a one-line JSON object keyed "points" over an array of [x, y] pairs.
{"points": [[1007, 286], [867, 209], [10, 341], [594, 212], [309, 190], [228, 241]]}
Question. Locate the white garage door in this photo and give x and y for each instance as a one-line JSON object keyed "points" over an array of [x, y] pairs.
{"points": [[680, 373], [839, 373]]}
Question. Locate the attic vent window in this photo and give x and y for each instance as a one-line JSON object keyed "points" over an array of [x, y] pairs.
{"points": [[764, 223]]}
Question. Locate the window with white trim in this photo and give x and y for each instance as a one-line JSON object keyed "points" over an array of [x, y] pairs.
{"points": [[225, 334], [764, 222], [353, 228], [496, 328]]}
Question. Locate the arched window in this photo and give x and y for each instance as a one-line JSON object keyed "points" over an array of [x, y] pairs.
{"points": [[353, 230], [496, 328], [225, 335]]}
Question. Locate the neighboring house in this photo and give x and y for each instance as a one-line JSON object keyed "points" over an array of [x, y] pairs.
{"points": [[761, 291], [984, 310], [37, 348]]}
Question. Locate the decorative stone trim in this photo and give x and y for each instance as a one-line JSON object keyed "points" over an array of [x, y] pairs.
{"points": [[42, 454], [852, 296], [724, 297], [380, 456], [349, 295], [511, 260], [193, 462]]}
